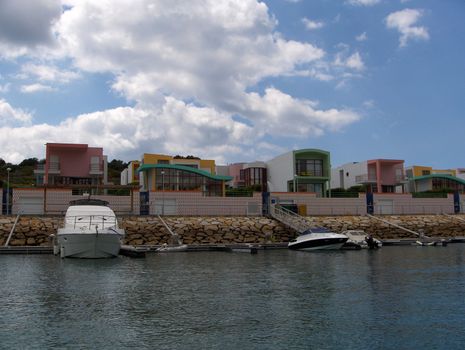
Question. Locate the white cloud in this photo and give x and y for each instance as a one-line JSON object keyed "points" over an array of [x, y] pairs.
{"points": [[5, 88], [404, 21], [164, 52], [306, 120], [353, 61], [47, 73], [12, 116], [362, 37], [363, 2], [312, 25], [32, 88], [369, 103], [27, 25]]}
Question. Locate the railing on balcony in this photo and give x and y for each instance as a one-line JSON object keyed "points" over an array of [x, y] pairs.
{"points": [[54, 168], [310, 173], [96, 169], [365, 178]]}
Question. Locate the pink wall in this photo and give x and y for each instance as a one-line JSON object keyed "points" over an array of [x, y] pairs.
{"points": [[234, 171], [385, 170], [74, 160]]}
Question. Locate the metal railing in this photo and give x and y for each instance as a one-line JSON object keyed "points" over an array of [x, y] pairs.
{"points": [[289, 218], [91, 221], [365, 178]]}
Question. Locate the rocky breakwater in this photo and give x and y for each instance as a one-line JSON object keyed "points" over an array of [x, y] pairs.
{"points": [[149, 230], [29, 231], [143, 230], [430, 225]]}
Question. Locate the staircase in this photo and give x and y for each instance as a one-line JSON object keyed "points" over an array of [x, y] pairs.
{"points": [[289, 218]]}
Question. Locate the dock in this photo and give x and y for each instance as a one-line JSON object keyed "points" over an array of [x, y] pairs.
{"points": [[26, 250], [140, 251]]}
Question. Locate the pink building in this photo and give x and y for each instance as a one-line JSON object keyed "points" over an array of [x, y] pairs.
{"points": [[383, 175], [72, 164]]}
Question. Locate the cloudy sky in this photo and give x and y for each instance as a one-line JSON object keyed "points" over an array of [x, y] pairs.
{"points": [[238, 80]]}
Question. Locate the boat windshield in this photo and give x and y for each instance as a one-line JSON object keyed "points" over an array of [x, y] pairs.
{"points": [[319, 230]]}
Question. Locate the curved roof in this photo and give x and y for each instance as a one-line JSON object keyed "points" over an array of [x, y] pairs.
{"points": [[440, 176], [145, 167]]}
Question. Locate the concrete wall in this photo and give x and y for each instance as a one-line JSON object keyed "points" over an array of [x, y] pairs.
{"points": [[393, 203], [280, 170], [323, 206], [195, 204], [350, 171], [56, 201]]}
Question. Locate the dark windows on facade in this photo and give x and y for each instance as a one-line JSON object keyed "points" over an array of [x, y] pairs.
{"points": [[181, 180], [447, 184], [254, 177], [309, 167]]}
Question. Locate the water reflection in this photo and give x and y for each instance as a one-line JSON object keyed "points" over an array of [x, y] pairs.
{"points": [[405, 297]]}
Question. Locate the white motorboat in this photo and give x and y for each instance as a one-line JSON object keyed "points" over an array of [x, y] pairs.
{"points": [[361, 239], [318, 238], [90, 231]]}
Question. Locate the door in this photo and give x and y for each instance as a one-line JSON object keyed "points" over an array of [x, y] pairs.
{"points": [[165, 207], [30, 205], [385, 206]]}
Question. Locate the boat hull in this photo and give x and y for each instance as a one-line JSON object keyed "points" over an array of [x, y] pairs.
{"points": [[319, 244], [88, 245]]}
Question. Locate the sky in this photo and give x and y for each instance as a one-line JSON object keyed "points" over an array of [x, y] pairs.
{"points": [[235, 81]]}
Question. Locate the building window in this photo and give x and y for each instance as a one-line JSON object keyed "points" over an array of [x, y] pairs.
{"points": [[181, 180], [254, 177], [425, 172], [309, 167]]}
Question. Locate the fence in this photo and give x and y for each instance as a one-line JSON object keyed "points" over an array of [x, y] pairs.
{"points": [[125, 200], [384, 204], [53, 200], [195, 204]]}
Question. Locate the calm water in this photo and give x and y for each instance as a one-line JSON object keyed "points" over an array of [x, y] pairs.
{"points": [[394, 298]]}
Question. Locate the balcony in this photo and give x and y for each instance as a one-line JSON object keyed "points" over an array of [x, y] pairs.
{"points": [[53, 169], [365, 178], [310, 173], [401, 179]]}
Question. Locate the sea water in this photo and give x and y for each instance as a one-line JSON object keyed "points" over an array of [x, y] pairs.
{"points": [[393, 298]]}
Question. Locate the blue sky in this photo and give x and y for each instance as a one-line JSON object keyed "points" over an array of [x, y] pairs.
{"points": [[235, 80]]}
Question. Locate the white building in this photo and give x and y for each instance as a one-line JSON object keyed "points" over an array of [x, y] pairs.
{"points": [[346, 176], [305, 170]]}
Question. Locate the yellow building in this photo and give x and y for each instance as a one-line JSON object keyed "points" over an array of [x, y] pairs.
{"points": [[417, 170], [163, 172]]}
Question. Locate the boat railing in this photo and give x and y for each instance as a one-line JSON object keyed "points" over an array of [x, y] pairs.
{"points": [[91, 221]]}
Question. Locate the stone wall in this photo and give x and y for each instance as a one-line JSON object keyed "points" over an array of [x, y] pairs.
{"points": [[149, 230]]}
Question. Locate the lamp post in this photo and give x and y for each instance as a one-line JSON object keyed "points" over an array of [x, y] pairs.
{"points": [[8, 191], [162, 192]]}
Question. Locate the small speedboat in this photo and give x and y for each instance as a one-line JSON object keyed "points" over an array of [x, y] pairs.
{"points": [[318, 238], [90, 231]]}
